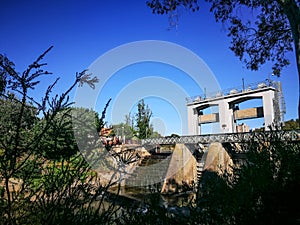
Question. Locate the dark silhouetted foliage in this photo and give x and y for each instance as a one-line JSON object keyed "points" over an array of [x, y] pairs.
{"points": [[271, 33]]}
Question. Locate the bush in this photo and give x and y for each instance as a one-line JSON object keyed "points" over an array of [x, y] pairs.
{"points": [[263, 190]]}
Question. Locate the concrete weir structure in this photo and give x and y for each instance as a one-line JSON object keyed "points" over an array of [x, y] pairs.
{"points": [[182, 169], [272, 109]]}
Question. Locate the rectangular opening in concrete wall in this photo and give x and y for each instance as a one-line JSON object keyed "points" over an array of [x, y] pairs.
{"points": [[249, 115], [208, 120]]}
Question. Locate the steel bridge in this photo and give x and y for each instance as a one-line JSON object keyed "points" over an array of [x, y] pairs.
{"points": [[293, 135]]}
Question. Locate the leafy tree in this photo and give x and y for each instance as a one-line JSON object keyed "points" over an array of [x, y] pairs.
{"points": [[71, 130], [274, 33], [291, 124], [2, 81], [124, 129], [155, 134], [10, 104], [143, 117], [127, 129], [60, 188], [58, 141]]}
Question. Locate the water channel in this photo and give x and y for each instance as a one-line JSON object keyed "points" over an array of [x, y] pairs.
{"points": [[146, 181]]}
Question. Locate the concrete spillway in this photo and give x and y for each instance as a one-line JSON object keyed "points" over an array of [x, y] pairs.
{"points": [[176, 171], [149, 175]]}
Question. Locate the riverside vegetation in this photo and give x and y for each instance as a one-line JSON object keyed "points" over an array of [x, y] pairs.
{"points": [[44, 179]]}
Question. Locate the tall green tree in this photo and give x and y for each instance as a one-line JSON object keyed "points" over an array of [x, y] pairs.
{"points": [[71, 130], [269, 37], [143, 117]]}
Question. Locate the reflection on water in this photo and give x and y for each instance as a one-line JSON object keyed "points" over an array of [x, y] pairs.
{"points": [[144, 183], [165, 200]]}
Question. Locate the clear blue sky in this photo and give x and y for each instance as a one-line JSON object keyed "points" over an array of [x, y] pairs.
{"points": [[81, 31]]}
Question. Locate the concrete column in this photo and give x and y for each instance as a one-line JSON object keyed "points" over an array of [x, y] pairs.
{"points": [[268, 108], [193, 126], [225, 117]]}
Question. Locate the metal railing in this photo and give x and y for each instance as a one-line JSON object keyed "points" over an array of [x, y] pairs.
{"points": [[233, 90], [293, 135]]}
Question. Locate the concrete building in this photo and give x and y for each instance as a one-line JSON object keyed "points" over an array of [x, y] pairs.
{"points": [[241, 128], [228, 113]]}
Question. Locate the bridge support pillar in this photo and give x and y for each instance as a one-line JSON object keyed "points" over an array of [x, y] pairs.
{"points": [[226, 118], [193, 121], [268, 98]]}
